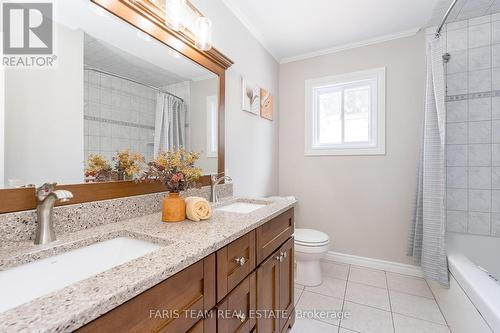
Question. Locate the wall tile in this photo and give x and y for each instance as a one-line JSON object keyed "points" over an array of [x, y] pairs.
{"points": [[495, 30], [495, 127], [479, 35], [495, 154], [480, 58], [480, 201], [456, 40], [480, 132], [495, 76], [495, 107], [456, 221], [495, 55], [495, 178], [456, 199], [478, 109], [456, 177], [456, 84], [480, 81], [456, 111], [479, 178], [495, 224], [456, 155], [495, 201], [480, 155], [479, 223], [456, 133], [482, 19], [457, 63]]}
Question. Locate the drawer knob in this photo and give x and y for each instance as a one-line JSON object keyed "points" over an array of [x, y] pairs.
{"points": [[241, 316], [283, 254], [279, 258], [240, 261]]}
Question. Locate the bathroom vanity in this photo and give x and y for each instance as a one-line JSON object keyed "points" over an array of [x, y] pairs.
{"points": [[223, 275]]}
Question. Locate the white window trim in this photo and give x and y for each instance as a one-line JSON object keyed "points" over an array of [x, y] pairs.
{"points": [[211, 130], [376, 148]]}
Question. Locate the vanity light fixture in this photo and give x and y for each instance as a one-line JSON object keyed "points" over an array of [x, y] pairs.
{"points": [[174, 14], [203, 33]]}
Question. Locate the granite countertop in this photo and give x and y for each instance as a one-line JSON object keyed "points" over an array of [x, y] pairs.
{"points": [[182, 244]]}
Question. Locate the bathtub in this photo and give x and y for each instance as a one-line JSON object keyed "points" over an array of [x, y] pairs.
{"points": [[474, 264]]}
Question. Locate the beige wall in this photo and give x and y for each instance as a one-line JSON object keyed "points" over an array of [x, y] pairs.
{"points": [[363, 202]]}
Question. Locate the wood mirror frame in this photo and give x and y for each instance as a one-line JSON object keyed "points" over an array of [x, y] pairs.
{"points": [[149, 18]]}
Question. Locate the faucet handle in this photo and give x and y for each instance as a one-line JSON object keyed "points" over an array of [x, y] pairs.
{"points": [[45, 189]]}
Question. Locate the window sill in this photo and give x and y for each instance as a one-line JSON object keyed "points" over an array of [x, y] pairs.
{"points": [[345, 151]]}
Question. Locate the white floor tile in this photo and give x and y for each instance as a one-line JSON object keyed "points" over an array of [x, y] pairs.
{"points": [[335, 270], [368, 295], [405, 324], [310, 302], [416, 306], [345, 330], [372, 277], [299, 286], [366, 319], [330, 287], [298, 293], [312, 326], [408, 284]]}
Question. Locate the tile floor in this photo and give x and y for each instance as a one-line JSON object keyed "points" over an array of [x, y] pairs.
{"points": [[377, 302]]}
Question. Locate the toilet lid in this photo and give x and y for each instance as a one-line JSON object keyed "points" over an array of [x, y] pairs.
{"points": [[310, 236]]}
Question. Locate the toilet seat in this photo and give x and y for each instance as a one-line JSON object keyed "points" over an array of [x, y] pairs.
{"points": [[310, 238]]}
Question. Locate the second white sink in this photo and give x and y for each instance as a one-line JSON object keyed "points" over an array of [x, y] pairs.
{"points": [[24, 283], [240, 207]]}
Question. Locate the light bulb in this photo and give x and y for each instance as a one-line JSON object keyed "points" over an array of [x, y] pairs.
{"points": [[174, 14], [203, 33]]}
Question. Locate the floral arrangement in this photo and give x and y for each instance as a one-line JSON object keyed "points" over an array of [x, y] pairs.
{"points": [[175, 169], [128, 163], [98, 167]]}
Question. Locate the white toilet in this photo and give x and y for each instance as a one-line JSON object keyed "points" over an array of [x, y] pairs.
{"points": [[310, 246]]}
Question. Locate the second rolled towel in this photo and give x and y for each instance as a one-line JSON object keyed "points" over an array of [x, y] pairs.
{"points": [[198, 209]]}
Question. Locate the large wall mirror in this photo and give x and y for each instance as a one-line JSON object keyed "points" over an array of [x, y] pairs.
{"points": [[105, 97]]}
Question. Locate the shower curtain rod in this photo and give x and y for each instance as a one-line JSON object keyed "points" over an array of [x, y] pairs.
{"points": [[438, 31], [90, 68]]}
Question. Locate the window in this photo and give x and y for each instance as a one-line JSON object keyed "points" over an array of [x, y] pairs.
{"points": [[211, 126], [345, 114]]}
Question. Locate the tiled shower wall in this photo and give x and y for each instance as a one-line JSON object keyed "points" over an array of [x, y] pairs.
{"points": [[119, 114], [473, 128]]}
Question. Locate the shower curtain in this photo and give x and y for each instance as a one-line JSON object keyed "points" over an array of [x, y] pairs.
{"points": [[427, 234], [170, 123]]}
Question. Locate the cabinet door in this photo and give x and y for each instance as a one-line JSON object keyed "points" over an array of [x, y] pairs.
{"points": [[271, 235], [162, 307], [206, 325], [286, 282], [268, 294], [234, 263], [236, 312]]}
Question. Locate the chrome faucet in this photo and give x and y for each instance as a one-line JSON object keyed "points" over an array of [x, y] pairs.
{"points": [[46, 197], [214, 181]]}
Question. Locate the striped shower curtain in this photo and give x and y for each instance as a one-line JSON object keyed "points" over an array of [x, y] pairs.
{"points": [[169, 123], [427, 233]]}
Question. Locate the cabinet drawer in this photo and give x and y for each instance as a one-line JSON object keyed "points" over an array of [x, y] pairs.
{"points": [[234, 263], [207, 325], [154, 310], [273, 234], [236, 313]]}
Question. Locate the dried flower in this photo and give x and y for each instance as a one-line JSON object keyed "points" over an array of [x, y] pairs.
{"points": [[175, 169], [98, 167], [129, 163]]}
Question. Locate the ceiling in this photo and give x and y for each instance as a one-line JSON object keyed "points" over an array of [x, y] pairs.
{"points": [[294, 29]]}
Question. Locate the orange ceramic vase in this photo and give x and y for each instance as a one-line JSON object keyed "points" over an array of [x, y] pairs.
{"points": [[174, 208]]}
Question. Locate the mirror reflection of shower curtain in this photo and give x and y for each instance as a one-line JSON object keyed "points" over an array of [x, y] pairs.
{"points": [[427, 234], [170, 133]]}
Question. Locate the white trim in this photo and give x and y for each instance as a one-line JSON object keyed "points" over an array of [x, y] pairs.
{"points": [[344, 47], [204, 77], [211, 131], [389, 266], [377, 144]]}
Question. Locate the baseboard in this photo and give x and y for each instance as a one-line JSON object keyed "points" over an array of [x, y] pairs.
{"points": [[384, 265]]}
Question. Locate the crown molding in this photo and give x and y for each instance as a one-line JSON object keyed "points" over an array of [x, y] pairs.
{"points": [[344, 47]]}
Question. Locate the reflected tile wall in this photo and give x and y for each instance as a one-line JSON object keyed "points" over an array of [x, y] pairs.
{"points": [[473, 129]]}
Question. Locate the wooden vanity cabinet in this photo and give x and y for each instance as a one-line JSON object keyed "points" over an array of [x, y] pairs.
{"points": [[275, 293], [245, 287]]}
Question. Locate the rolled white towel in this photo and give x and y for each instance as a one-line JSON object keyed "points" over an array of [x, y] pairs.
{"points": [[198, 209]]}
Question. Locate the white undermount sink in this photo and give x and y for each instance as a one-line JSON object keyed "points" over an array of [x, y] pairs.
{"points": [[24, 283], [240, 207]]}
